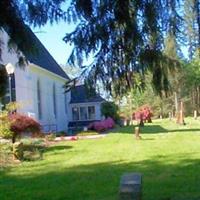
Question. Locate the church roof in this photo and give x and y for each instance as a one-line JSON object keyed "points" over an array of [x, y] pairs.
{"points": [[79, 94], [42, 57]]}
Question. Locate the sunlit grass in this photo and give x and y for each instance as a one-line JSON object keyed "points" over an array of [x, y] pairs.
{"points": [[168, 156]]}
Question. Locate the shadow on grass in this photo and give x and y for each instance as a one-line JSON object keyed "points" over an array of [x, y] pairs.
{"points": [[57, 148], [100, 181], [151, 129]]}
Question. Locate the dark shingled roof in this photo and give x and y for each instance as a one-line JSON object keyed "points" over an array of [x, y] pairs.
{"points": [[80, 94], [42, 57]]}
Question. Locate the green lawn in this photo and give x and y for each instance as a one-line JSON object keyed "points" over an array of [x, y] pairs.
{"points": [[168, 156]]}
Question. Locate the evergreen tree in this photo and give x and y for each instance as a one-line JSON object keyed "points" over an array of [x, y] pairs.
{"points": [[125, 37], [191, 32]]}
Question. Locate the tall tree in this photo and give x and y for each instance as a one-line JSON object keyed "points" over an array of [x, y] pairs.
{"points": [[125, 37], [191, 26]]}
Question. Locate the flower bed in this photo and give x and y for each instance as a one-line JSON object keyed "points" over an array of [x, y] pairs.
{"points": [[102, 125]]}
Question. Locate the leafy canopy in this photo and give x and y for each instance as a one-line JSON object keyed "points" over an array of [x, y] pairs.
{"points": [[124, 36]]}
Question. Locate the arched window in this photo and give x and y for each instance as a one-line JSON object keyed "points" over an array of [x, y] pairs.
{"points": [[54, 101], [65, 99], [10, 95], [13, 91], [39, 102]]}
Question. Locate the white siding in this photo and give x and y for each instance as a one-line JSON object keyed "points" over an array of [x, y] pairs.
{"points": [[26, 90]]}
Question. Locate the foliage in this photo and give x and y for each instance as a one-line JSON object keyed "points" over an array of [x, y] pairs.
{"points": [[5, 154], [21, 124], [137, 98], [110, 109], [193, 72], [18, 151], [192, 25], [33, 149], [5, 124], [103, 125], [126, 38], [71, 71], [191, 85], [144, 113]]}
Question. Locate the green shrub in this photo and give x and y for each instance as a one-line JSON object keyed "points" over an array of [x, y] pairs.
{"points": [[33, 141], [5, 124], [5, 154], [33, 149], [18, 150], [110, 109]]}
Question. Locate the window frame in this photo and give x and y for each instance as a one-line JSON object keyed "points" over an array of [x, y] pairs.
{"points": [[39, 99], [93, 118], [79, 112], [54, 101]]}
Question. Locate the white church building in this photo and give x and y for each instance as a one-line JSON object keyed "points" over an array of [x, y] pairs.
{"points": [[38, 87]]}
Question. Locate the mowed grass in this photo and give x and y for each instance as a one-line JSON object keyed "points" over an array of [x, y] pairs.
{"points": [[168, 156]]}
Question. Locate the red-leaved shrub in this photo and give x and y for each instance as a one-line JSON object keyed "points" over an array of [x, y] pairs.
{"points": [[103, 125], [144, 113], [22, 123]]}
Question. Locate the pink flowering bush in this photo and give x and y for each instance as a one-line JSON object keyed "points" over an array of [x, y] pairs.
{"points": [[103, 125], [99, 126], [109, 123], [144, 113]]}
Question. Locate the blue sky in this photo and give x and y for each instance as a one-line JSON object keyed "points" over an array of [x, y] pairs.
{"points": [[51, 36]]}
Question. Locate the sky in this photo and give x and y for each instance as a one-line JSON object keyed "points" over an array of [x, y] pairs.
{"points": [[52, 36]]}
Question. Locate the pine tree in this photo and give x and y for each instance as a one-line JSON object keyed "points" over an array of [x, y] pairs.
{"points": [[125, 37], [191, 32]]}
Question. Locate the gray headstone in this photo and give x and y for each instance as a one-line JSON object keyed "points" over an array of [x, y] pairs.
{"points": [[131, 187]]}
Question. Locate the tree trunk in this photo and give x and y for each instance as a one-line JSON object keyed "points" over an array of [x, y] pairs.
{"points": [[14, 138], [195, 114], [137, 133], [176, 102], [141, 123], [180, 117]]}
